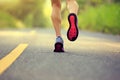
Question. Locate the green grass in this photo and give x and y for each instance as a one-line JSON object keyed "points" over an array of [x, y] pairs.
{"points": [[6, 20], [104, 18]]}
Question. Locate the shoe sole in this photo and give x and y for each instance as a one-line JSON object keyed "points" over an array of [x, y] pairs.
{"points": [[59, 47], [72, 32]]}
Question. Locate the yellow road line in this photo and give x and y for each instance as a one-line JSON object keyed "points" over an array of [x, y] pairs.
{"points": [[11, 57]]}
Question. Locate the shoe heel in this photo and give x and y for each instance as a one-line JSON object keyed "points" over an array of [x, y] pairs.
{"points": [[58, 47], [72, 32]]}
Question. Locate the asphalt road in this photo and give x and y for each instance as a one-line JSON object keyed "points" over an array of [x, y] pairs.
{"points": [[94, 56]]}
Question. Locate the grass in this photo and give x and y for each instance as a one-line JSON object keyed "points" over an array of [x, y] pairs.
{"points": [[104, 18]]}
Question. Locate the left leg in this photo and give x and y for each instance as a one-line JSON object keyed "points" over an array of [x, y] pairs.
{"points": [[56, 16], [56, 19]]}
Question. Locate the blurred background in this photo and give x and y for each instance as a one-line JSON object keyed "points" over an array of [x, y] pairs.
{"points": [[94, 15]]}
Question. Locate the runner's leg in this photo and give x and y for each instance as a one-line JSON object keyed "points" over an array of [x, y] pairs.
{"points": [[73, 31], [72, 6], [56, 19], [56, 16]]}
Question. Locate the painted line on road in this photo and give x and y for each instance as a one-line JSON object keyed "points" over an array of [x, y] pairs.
{"points": [[11, 57]]}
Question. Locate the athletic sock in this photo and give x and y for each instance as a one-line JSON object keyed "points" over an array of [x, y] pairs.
{"points": [[59, 39]]}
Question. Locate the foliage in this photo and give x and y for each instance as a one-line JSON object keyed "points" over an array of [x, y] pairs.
{"points": [[6, 20], [105, 18], [94, 15]]}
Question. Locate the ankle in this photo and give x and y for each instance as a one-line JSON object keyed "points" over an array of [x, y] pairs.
{"points": [[59, 39]]}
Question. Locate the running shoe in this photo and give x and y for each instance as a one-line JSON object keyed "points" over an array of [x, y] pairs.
{"points": [[73, 31], [59, 45]]}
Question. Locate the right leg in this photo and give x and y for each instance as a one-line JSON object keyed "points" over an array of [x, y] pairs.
{"points": [[72, 6], [73, 31]]}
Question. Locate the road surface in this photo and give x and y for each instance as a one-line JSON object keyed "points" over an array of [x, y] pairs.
{"points": [[94, 56]]}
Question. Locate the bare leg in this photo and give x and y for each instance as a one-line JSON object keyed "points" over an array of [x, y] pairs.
{"points": [[72, 6], [56, 19], [73, 31], [56, 16]]}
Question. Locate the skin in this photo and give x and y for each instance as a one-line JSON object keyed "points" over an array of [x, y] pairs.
{"points": [[56, 13]]}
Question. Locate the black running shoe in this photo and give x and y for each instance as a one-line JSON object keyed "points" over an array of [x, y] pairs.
{"points": [[73, 31], [59, 47]]}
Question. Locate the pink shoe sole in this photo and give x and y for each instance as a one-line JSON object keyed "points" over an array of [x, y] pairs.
{"points": [[73, 31]]}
